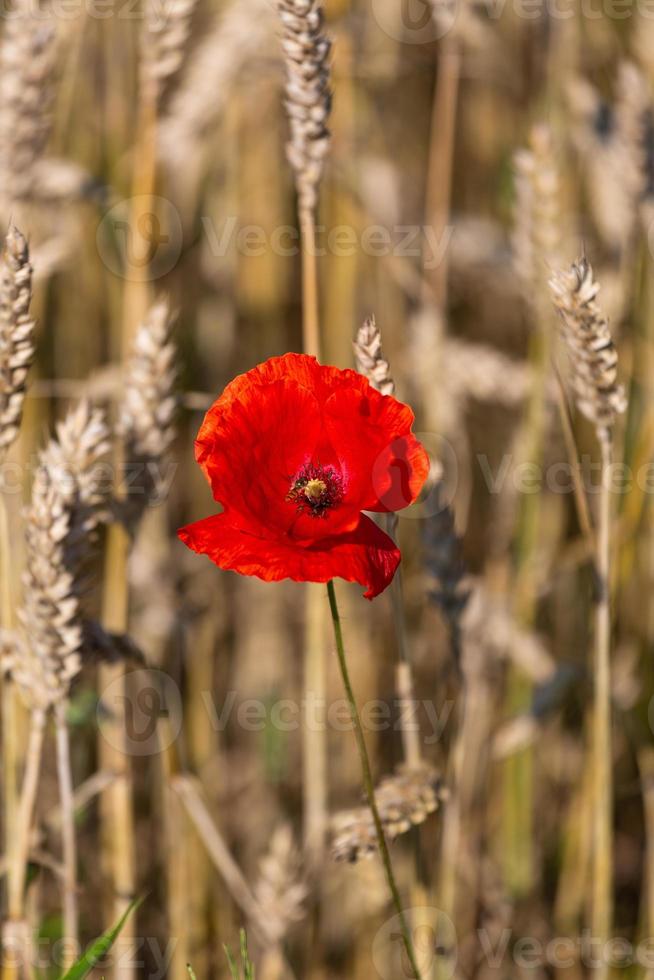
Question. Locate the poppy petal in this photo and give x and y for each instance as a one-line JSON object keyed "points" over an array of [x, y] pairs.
{"points": [[366, 555], [382, 459], [250, 448]]}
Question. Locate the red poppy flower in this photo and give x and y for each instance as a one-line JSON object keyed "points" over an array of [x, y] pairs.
{"points": [[295, 451]]}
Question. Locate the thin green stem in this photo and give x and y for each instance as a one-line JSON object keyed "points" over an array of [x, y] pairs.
{"points": [[367, 779]]}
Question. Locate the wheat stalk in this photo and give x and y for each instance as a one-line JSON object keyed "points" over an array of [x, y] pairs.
{"points": [[536, 243], [308, 102], [145, 431], [593, 362], [66, 508]]}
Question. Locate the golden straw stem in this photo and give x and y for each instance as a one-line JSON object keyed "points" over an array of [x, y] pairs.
{"points": [[20, 844], [10, 734], [602, 907], [310, 315], [69, 845], [441, 155]]}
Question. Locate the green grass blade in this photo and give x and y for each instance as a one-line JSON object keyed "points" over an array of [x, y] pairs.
{"points": [[248, 969], [233, 969], [100, 947]]}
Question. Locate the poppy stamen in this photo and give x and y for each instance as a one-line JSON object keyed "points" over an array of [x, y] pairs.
{"points": [[315, 489]]}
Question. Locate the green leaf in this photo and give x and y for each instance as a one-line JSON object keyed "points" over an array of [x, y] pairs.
{"points": [[100, 947]]}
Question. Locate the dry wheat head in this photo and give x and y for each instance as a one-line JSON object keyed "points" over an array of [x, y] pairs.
{"points": [[280, 890], [67, 505], [148, 409], [164, 41], [27, 61], [592, 354], [220, 61], [369, 357], [16, 334], [308, 98], [536, 236], [404, 800]]}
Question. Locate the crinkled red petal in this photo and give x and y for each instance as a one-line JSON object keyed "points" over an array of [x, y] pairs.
{"points": [[291, 410], [365, 555], [371, 434], [250, 448]]}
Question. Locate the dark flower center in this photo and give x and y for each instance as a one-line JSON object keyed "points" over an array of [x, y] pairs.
{"points": [[316, 489]]}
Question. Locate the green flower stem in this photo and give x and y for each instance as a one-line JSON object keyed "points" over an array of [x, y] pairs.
{"points": [[367, 779]]}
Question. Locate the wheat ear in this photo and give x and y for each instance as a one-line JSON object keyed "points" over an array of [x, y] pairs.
{"points": [[593, 363], [369, 357], [66, 508], [232, 44], [280, 890], [16, 334], [593, 357], [27, 61], [537, 234], [404, 800], [308, 99], [146, 422], [163, 43], [16, 354]]}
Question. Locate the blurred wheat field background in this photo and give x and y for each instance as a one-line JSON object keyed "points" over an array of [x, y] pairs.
{"points": [[456, 199]]}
